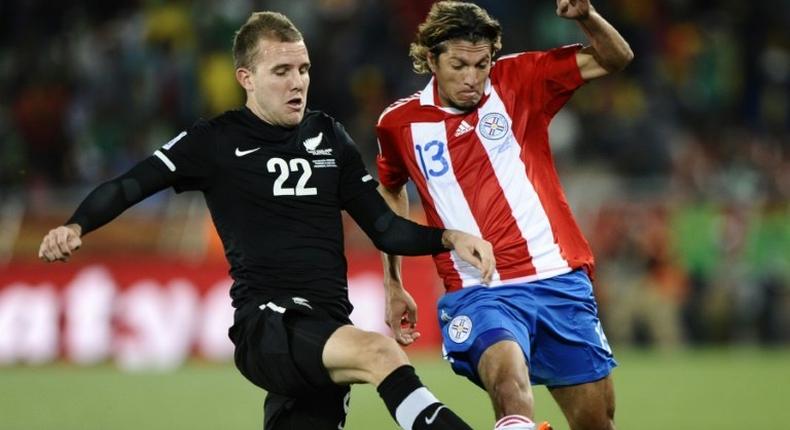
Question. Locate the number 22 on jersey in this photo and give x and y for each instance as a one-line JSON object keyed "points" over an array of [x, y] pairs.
{"points": [[284, 170]]}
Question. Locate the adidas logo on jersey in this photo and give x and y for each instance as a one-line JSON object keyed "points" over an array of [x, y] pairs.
{"points": [[463, 128], [312, 143]]}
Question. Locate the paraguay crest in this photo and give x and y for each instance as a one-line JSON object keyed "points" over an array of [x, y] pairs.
{"points": [[493, 126], [459, 328]]}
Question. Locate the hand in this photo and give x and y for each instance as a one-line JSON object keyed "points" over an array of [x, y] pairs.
{"points": [[574, 9], [401, 314], [473, 250], [59, 243]]}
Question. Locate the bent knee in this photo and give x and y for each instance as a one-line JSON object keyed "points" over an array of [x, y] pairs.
{"points": [[594, 420], [379, 355], [352, 355], [511, 395], [379, 348]]}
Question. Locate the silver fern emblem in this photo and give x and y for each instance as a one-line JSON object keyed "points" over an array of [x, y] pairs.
{"points": [[312, 143]]}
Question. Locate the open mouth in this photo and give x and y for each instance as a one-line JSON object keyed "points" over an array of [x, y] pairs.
{"points": [[295, 103]]}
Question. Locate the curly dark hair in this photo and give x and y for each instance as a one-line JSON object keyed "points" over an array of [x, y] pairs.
{"points": [[449, 20]]}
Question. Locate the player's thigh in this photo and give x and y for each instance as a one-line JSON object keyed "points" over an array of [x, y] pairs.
{"points": [[587, 406], [503, 361], [570, 345], [323, 410], [282, 352], [352, 355], [477, 319]]}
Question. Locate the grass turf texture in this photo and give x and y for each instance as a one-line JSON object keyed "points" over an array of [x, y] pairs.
{"points": [[695, 389]]}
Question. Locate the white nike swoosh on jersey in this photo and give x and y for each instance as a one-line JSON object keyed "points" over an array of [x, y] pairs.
{"points": [[430, 420], [240, 153]]}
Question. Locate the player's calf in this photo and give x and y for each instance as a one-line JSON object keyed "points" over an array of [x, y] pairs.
{"points": [[505, 376], [352, 355], [413, 406]]}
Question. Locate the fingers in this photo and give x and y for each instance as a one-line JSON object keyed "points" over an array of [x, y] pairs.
{"points": [[58, 244], [74, 243], [407, 332], [62, 242], [44, 251], [404, 327], [488, 263], [562, 7], [479, 254], [49, 248], [408, 337], [400, 331], [411, 316]]}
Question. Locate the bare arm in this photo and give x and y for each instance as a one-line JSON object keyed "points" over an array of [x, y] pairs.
{"points": [[608, 51], [398, 201], [400, 307]]}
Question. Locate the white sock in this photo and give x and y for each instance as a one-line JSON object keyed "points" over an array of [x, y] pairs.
{"points": [[514, 422], [413, 405]]}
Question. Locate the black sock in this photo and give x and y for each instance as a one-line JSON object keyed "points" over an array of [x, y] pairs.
{"points": [[413, 406]]}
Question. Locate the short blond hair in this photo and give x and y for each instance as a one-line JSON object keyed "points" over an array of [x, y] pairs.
{"points": [[261, 25], [449, 20]]}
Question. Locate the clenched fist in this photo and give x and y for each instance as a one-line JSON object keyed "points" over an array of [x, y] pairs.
{"points": [[60, 242], [574, 9]]}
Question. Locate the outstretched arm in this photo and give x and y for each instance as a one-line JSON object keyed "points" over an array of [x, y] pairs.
{"points": [[396, 235], [608, 52], [101, 206]]}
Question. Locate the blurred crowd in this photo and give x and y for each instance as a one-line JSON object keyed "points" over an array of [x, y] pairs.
{"points": [[678, 167]]}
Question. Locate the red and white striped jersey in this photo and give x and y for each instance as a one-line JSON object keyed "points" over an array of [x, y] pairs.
{"points": [[489, 171]]}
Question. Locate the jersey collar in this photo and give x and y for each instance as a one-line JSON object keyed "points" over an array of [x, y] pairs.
{"points": [[429, 96]]}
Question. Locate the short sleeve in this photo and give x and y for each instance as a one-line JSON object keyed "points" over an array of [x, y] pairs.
{"points": [[561, 77], [547, 79], [190, 156], [389, 161], [354, 177]]}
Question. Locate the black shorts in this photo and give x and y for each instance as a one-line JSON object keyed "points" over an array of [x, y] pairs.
{"points": [[279, 347]]}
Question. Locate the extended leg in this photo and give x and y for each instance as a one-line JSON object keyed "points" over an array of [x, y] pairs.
{"points": [[352, 355], [587, 406]]}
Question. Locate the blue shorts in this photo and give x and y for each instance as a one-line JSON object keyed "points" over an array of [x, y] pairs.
{"points": [[555, 321]]}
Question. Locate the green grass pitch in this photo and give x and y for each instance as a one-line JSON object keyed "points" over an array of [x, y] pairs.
{"points": [[695, 389]]}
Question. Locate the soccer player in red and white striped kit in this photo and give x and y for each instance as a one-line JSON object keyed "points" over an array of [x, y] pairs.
{"points": [[475, 144]]}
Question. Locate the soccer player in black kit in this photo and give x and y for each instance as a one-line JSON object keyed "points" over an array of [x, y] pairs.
{"points": [[275, 179]]}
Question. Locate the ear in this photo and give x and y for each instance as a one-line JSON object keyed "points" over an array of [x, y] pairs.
{"points": [[433, 62], [244, 77]]}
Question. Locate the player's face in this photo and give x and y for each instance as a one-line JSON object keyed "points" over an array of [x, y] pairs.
{"points": [[277, 88], [461, 72]]}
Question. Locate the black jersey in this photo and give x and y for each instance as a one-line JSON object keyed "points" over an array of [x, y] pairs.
{"points": [[275, 196]]}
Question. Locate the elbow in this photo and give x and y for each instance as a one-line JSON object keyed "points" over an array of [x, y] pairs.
{"points": [[382, 245], [624, 59], [388, 245], [616, 60], [628, 56]]}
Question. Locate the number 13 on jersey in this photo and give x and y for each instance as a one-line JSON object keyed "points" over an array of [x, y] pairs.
{"points": [[432, 159]]}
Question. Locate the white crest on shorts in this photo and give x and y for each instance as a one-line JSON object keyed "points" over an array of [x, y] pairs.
{"points": [[459, 328]]}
